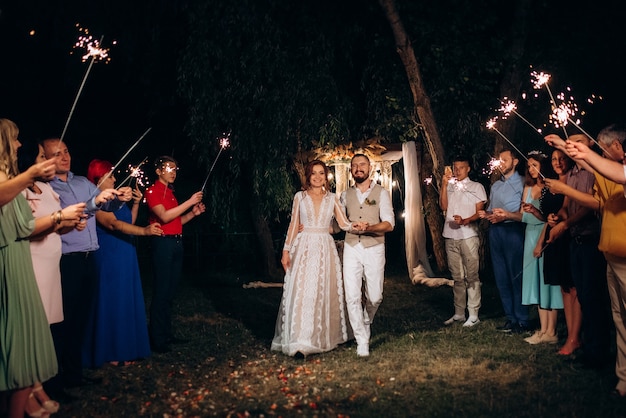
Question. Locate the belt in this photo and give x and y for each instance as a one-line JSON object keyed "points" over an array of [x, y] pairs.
{"points": [[83, 254], [173, 236]]}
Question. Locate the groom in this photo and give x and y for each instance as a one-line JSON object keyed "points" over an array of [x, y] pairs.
{"points": [[369, 205]]}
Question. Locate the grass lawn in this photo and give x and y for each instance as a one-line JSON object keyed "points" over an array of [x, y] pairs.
{"points": [[417, 367]]}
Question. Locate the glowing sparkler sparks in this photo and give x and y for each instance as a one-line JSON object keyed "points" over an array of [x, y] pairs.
{"points": [[92, 46], [124, 156], [509, 106], [137, 173], [540, 79], [493, 165], [224, 143], [94, 51], [491, 124]]}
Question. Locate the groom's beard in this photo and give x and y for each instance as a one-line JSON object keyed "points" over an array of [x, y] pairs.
{"points": [[360, 180]]}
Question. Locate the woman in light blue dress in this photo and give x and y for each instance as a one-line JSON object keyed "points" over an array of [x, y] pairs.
{"points": [[535, 291]]}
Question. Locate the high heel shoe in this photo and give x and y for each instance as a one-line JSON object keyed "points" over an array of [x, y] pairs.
{"points": [[47, 404], [31, 410]]}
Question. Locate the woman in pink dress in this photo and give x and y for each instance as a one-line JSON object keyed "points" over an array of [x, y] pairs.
{"points": [[46, 254]]}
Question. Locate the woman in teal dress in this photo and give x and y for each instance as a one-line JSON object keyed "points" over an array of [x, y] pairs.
{"points": [[27, 353], [535, 291], [118, 331]]}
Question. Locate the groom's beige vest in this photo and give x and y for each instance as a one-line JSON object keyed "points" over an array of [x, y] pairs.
{"points": [[368, 211]]}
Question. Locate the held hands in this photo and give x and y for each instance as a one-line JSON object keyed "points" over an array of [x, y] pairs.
{"points": [[359, 227]]}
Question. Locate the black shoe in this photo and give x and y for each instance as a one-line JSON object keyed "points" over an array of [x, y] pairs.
{"points": [[175, 340], [520, 329], [161, 349], [507, 327]]}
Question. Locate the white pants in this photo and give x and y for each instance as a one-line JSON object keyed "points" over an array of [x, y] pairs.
{"points": [[363, 265]]}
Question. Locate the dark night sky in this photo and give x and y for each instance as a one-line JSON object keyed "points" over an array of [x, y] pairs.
{"points": [[39, 78]]}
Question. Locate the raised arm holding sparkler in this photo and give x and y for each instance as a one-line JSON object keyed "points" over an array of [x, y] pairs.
{"points": [[167, 250], [613, 170]]}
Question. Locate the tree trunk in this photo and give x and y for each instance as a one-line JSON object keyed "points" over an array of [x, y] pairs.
{"points": [[266, 244], [511, 83], [425, 117]]}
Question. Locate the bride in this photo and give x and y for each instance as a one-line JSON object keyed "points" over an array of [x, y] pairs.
{"points": [[312, 316]]}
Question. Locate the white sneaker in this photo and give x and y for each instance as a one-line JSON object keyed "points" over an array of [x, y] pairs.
{"points": [[363, 350], [455, 318], [471, 321]]}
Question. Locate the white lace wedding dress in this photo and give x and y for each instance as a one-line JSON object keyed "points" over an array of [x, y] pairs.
{"points": [[312, 317]]}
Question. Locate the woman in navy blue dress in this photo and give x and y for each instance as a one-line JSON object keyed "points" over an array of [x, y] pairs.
{"points": [[118, 331]]}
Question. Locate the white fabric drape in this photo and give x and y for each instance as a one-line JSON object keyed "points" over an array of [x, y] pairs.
{"points": [[414, 229]]}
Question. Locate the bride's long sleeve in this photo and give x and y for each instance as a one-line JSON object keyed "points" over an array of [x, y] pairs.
{"points": [[292, 231], [340, 216]]}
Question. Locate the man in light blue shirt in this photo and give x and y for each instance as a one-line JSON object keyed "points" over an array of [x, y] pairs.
{"points": [[506, 241], [79, 280]]}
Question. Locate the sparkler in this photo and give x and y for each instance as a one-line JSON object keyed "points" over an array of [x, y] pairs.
{"points": [[493, 164], [509, 107], [541, 79], [135, 172], [491, 124], [124, 156], [97, 54], [224, 143], [428, 181]]}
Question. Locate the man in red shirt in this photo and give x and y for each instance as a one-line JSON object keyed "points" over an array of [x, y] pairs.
{"points": [[167, 250]]}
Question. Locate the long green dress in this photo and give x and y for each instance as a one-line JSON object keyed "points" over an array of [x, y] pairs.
{"points": [[26, 348]]}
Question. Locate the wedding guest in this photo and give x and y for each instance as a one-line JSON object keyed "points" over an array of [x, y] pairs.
{"points": [[556, 258], [535, 290], [118, 330], [312, 317], [461, 199], [167, 249], [578, 218], [27, 353], [609, 198], [79, 280], [506, 241], [46, 254]]}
